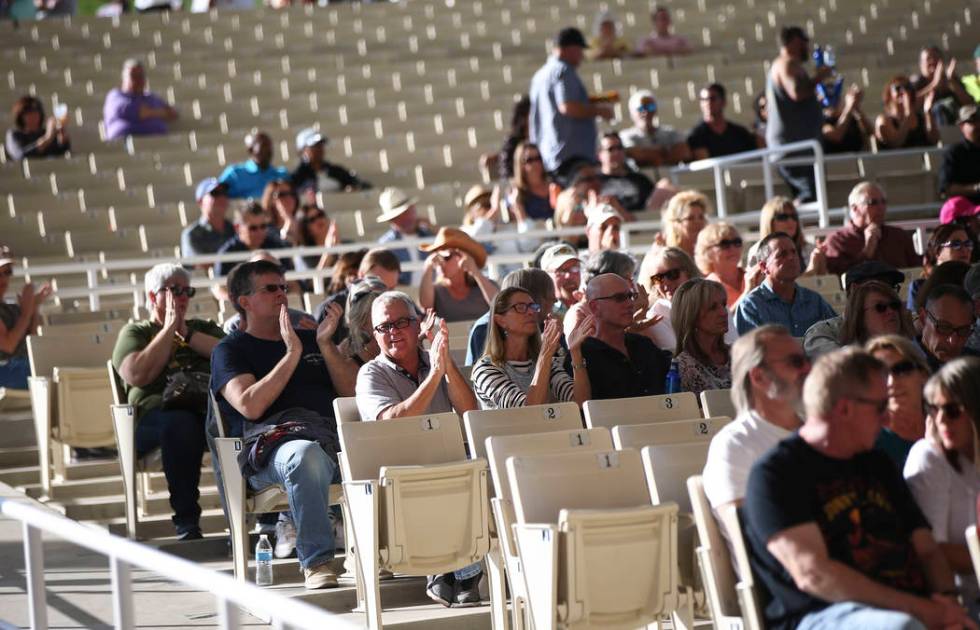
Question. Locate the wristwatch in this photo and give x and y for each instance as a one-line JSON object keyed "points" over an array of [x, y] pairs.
{"points": [[187, 338]]}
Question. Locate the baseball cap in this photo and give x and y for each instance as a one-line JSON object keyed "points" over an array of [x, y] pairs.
{"points": [[570, 36], [972, 281], [309, 137], [968, 113], [604, 212], [208, 186], [557, 255], [872, 270]]}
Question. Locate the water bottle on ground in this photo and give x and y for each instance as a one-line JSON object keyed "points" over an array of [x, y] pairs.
{"points": [[263, 561], [673, 385]]}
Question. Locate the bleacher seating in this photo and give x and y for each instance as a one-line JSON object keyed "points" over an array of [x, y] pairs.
{"points": [[642, 410]]}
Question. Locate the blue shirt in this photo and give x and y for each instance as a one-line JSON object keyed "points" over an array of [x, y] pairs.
{"points": [[478, 339], [403, 254], [560, 137], [245, 179], [762, 306]]}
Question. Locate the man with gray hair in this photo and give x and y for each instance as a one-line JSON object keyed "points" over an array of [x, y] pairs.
{"points": [[130, 110], [647, 142], [768, 371], [866, 237], [834, 534]]}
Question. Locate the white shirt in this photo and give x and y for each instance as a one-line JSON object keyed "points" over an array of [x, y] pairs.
{"points": [[663, 331]]}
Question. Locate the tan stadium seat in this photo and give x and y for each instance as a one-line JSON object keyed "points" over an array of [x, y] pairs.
{"points": [[641, 410], [69, 396], [672, 432], [732, 603], [415, 504], [828, 283], [584, 520], [483, 424], [974, 545], [717, 402], [345, 409]]}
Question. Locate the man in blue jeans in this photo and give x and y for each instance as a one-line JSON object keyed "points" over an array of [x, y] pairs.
{"points": [[269, 374]]}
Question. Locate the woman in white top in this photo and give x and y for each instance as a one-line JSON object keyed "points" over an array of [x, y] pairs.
{"points": [[520, 367], [943, 469]]}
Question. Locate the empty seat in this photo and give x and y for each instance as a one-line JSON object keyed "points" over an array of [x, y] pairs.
{"points": [[482, 424], [717, 402], [345, 409], [672, 432], [642, 410]]}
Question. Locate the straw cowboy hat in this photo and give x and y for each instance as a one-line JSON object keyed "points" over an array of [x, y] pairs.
{"points": [[452, 238], [393, 202]]}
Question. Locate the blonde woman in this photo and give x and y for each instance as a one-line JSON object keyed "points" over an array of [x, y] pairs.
{"points": [[718, 254], [683, 218], [907, 374], [520, 366], [663, 270], [700, 320], [780, 215]]}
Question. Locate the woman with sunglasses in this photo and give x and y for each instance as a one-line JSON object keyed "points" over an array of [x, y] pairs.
{"points": [[33, 135], [907, 374], [528, 196], [779, 215], [873, 308], [460, 291], [149, 356], [17, 321], [718, 253], [663, 270], [520, 366], [943, 469], [951, 241], [902, 125], [682, 219], [700, 319], [281, 203], [315, 229]]}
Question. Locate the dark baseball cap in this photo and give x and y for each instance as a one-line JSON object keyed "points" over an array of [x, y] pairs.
{"points": [[570, 36], [873, 270]]}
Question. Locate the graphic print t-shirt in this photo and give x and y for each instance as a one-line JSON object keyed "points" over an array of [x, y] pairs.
{"points": [[862, 507]]}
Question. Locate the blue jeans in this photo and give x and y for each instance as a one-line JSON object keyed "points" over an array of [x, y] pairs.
{"points": [[14, 373], [306, 472], [859, 617]]}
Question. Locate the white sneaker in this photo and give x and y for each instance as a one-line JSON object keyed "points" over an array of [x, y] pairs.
{"points": [[285, 539]]}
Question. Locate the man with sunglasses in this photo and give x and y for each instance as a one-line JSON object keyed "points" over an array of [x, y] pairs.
{"points": [[867, 237], [248, 179], [947, 318], [270, 374], [212, 230], [779, 300], [647, 142], [254, 230], [835, 537], [629, 186]]}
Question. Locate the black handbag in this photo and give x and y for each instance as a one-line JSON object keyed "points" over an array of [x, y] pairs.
{"points": [[186, 390]]}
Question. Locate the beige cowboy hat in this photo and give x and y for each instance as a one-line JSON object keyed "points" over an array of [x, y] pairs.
{"points": [[393, 202], [452, 238]]}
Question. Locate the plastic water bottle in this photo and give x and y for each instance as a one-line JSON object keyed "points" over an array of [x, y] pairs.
{"points": [[829, 56], [263, 561], [673, 379]]}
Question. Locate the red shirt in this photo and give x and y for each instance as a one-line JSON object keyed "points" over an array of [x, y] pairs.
{"points": [[845, 248]]}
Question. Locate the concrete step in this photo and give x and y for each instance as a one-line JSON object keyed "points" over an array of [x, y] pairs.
{"points": [[102, 508], [20, 475], [15, 456], [17, 429], [159, 526]]}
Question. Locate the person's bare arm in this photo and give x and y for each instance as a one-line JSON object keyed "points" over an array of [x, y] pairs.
{"points": [[11, 337], [957, 557], [577, 109], [582, 330], [962, 189], [937, 571], [418, 403], [649, 156], [889, 134], [203, 343], [700, 154], [142, 367], [164, 112], [427, 289], [794, 80], [343, 370], [487, 288]]}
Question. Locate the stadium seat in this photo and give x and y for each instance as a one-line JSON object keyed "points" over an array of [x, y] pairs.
{"points": [[345, 410], [672, 432], [717, 402], [486, 423], [641, 410]]}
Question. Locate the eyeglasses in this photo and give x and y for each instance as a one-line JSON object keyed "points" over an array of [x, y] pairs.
{"points": [[615, 147], [271, 288], [178, 290], [6, 273], [570, 271], [903, 367], [881, 406], [958, 244], [670, 274], [398, 324], [951, 411], [521, 308], [531, 159], [650, 108], [948, 330], [785, 216], [257, 227], [619, 298], [728, 243], [874, 201], [796, 361], [449, 254], [898, 89], [881, 307]]}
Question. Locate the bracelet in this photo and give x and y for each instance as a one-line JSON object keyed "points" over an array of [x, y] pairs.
{"points": [[579, 366]]}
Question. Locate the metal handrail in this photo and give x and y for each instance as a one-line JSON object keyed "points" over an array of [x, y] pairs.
{"points": [[231, 595]]}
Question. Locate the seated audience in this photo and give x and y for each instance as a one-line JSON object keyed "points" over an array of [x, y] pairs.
{"points": [[17, 321], [562, 264], [905, 420], [768, 370], [213, 229], [779, 299], [359, 343], [620, 363], [377, 262], [779, 215], [298, 318], [399, 212], [315, 229], [406, 381], [252, 232], [761, 111], [461, 291], [482, 217], [661, 41], [528, 193], [873, 309], [683, 218], [903, 125], [867, 237], [603, 227], [315, 174], [663, 270], [947, 242], [959, 174], [345, 272], [938, 84], [718, 253], [846, 128], [947, 320], [164, 363], [521, 365], [700, 321], [269, 377], [629, 186], [949, 272], [33, 135], [607, 42], [585, 184], [248, 179], [715, 135], [835, 537], [943, 469], [647, 142], [972, 285], [280, 202], [130, 110]]}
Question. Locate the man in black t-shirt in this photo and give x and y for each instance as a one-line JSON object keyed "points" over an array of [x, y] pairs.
{"points": [[268, 375], [631, 188], [715, 136], [834, 535]]}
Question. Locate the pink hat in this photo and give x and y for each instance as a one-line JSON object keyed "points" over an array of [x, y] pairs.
{"points": [[956, 207]]}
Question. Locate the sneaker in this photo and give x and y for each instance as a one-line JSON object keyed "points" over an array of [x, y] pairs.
{"points": [[468, 593], [285, 539], [193, 533], [441, 589], [320, 576]]}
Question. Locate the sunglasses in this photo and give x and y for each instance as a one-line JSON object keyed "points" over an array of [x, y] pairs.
{"points": [[881, 406], [785, 216], [619, 298], [448, 255], [880, 201], [398, 324], [178, 291], [882, 307], [650, 108], [258, 227], [615, 147], [903, 367], [670, 274], [531, 159], [315, 216], [898, 89], [271, 288], [729, 243], [521, 308], [951, 411], [958, 244], [948, 330]]}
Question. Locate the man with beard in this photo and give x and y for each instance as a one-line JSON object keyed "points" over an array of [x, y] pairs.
{"points": [[768, 370]]}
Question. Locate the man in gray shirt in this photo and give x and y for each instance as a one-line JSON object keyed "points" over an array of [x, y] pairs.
{"points": [[562, 120], [208, 233]]}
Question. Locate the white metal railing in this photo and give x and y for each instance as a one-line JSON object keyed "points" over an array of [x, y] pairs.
{"points": [[231, 595]]}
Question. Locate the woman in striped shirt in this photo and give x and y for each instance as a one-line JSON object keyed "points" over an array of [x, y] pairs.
{"points": [[520, 366]]}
